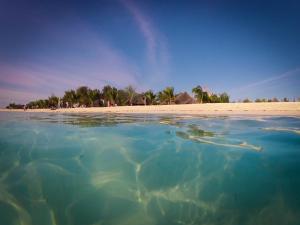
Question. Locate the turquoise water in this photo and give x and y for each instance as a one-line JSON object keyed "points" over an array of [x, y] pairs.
{"points": [[140, 170]]}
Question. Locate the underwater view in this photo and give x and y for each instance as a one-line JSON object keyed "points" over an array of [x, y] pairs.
{"points": [[89, 169]]}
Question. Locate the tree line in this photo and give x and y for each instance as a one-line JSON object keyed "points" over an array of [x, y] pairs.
{"points": [[111, 96], [285, 99]]}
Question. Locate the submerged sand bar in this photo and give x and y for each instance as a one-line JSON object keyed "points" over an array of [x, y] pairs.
{"points": [[270, 108]]}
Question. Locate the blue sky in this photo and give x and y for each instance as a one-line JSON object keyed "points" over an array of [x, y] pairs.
{"points": [[246, 48]]}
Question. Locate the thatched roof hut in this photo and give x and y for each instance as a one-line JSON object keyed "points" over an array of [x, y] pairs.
{"points": [[138, 99], [184, 98]]}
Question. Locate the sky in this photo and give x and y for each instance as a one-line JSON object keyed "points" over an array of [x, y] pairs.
{"points": [[245, 48]]}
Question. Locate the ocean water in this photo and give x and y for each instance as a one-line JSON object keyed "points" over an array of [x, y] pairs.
{"points": [[143, 170]]}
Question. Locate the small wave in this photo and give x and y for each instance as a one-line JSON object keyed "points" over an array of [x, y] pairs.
{"points": [[296, 131]]}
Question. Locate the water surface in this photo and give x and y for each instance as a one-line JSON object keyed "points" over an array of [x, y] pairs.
{"points": [[131, 170]]}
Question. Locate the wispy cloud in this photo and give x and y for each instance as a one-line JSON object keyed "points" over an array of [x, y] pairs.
{"points": [[157, 51], [95, 64], [266, 82], [145, 27], [23, 83], [32, 77], [8, 95], [274, 78], [74, 53]]}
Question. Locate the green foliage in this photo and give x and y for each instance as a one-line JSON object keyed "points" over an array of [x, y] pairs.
{"points": [[83, 96], [266, 100], [122, 98], [247, 100], [166, 96], [224, 97], [130, 94], [198, 93], [160, 97], [107, 92], [95, 95], [42, 103], [69, 98], [53, 101], [206, 98], [214, 98], [14, 106], [150, 97], [109, 96], [258, 100]]}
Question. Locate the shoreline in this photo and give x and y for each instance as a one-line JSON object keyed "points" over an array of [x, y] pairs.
{"points": [[259, 109]]}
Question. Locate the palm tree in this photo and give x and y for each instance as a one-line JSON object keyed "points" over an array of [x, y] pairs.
{"points": [[131, 93], [94, 95], [53, 101], [128, 96], [70, 98], [42, 104], [224, 97], [107, 90], [169, 92], [110, 94], [206, 97], [122, 97], [83, 96], [198, 92], [150, 97], [114, 95], [168, 95], [214, 98], [161, 97]]}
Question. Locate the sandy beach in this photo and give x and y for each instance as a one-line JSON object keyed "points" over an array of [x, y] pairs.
{"points": [[271, 109]]}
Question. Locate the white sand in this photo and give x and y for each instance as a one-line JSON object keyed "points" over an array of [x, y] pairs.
{"points": [[272, 108]]}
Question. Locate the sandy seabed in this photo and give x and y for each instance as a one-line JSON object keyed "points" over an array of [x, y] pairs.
{"points": [[270, 108]]}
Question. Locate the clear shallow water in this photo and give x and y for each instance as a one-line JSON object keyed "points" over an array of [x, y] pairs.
{"points": [[132, 170]]}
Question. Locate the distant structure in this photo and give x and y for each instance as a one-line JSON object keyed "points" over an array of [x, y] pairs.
{"points": [[184, 98]]}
